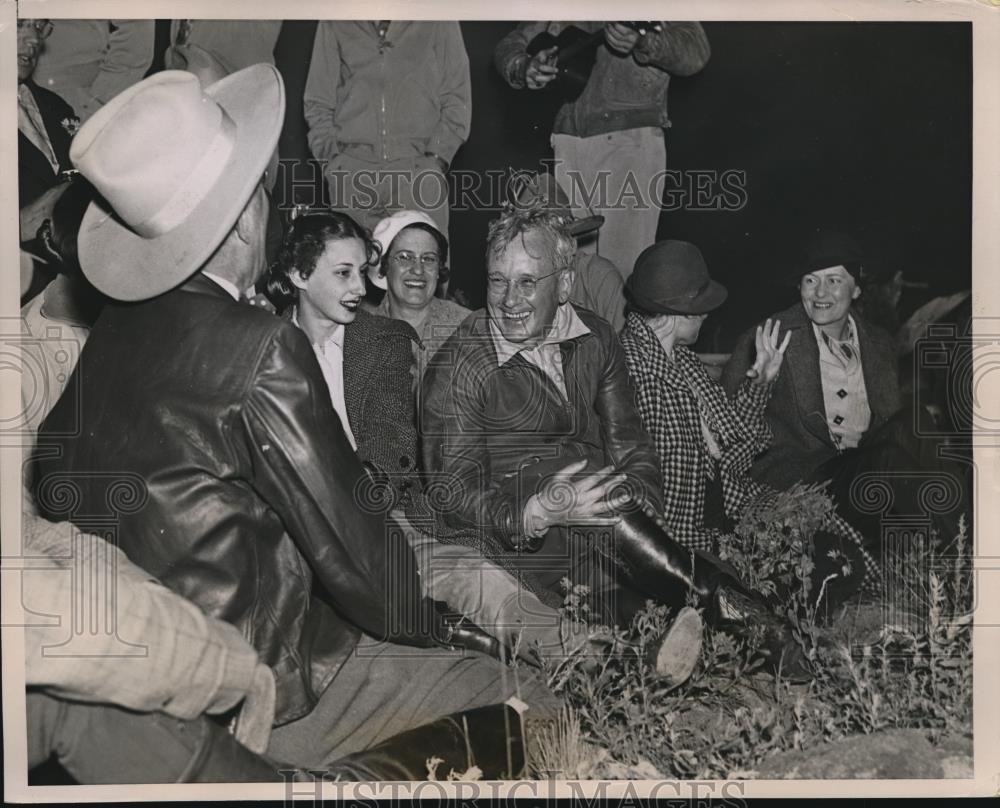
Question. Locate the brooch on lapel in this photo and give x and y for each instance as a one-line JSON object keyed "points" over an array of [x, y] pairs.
{"points": [[71, 125]]}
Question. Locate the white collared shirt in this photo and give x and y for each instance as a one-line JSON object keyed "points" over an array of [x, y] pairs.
{"points": [[331, 361], [226, 284], [845, 396], [546, 356]]}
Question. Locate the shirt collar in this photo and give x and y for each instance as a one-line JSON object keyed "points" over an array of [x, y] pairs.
{"points": [[336, 336], [566, 325], [852, 334], [226, 284]]}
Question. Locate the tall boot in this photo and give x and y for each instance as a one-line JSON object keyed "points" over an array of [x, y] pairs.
{"points": [[659, 567]]}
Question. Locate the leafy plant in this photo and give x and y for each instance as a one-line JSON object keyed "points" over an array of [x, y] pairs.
{"points": [[728, 717]]}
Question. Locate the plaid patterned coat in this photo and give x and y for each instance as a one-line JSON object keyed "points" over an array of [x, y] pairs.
{"points": [[672, 397]]}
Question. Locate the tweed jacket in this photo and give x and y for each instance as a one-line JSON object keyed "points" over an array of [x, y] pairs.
{"points": [[34, 172], [796, 413], [484, 423], [671, 411], [219, 460], [378, 391]]}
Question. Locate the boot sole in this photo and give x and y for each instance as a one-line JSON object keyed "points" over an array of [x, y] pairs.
{"points": [[680, 649]]}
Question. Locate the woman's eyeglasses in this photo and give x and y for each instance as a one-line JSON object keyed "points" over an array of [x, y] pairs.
{"points": [[429, 262]]}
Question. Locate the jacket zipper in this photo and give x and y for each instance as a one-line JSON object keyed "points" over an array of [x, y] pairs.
{"points": [[381, 52]]}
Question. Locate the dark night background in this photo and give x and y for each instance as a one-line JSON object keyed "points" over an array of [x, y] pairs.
{"points": [[860, 126]]}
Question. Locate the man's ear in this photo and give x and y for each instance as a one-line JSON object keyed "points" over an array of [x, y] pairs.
{"points": [[249, 223], [663, 324], [565, 284]]}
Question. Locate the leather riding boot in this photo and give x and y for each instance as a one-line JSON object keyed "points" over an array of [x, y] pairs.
{"points": [[486, 737], [661, 568]]}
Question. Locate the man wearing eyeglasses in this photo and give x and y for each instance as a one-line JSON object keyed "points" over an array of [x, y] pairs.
{"points": [[530, 425], [45, 126], [534, 382]]}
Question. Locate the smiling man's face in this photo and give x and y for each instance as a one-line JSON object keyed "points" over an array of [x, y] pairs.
{"points": [[29, 45], [525, 316]]}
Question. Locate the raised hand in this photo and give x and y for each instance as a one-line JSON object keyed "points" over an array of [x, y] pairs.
{"points": [[770, 354], [566, 498]]}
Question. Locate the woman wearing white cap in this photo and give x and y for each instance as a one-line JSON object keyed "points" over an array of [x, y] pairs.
{"points": [[318, 280], [414, 262]]}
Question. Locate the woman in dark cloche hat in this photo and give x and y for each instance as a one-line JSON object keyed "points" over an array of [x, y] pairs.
{"points": [[707, 442]]}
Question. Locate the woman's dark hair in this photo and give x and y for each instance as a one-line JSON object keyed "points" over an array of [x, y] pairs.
{"points": [[302, 246], [442, 247], [57, 237]]}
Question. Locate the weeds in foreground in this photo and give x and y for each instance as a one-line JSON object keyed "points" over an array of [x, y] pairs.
{"points": [[871, 674]]}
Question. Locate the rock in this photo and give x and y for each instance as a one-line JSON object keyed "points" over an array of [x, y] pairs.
{"points": [[956, 755], [892, 754]]}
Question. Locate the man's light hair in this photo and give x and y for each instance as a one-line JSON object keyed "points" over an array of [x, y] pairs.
{"points": [[557, 245]]}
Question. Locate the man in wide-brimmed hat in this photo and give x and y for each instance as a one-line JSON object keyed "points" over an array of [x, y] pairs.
{"points": [[209, 436]]}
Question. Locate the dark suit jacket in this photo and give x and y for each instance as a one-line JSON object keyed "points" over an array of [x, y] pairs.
{"points": [[796, 413], [34, 172], [218, 458]]}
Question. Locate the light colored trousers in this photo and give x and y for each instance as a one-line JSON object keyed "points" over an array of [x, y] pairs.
{"points": [[615, 171], [370, 190], [488, 595]]}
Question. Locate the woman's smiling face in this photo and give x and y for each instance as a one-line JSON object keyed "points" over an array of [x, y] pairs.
{"points": [[334, 289], [827, 295], [411, 274]]}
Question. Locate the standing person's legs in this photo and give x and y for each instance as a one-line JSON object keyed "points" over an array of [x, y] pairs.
{"points": [[572, 172], [354, 188], [617, 168], [422, 186], [384, 689]]}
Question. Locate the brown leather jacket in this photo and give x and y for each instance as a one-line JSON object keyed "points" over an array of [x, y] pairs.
{"points": [[482, 424], [201, 433]]}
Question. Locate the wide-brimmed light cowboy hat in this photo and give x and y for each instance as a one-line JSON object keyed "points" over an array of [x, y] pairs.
{"points": [[208, 67], [671, 277], [543, 189], [176, 165]]}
